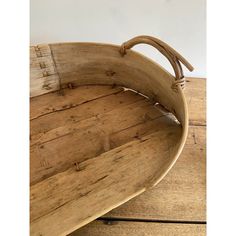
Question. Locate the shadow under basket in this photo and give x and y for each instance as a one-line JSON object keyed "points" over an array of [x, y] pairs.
{"points": [[106, 124]]}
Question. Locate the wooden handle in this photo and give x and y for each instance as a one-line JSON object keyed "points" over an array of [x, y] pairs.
{"points": [[174, 57]]}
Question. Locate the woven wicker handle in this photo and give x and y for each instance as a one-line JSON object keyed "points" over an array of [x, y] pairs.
{"points": [[174, 57]]}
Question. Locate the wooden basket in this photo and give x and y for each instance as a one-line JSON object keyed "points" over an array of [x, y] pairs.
{"points": [[107, 123]]}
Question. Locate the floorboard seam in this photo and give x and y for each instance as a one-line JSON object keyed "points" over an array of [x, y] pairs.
{"points": [[109, 220]]}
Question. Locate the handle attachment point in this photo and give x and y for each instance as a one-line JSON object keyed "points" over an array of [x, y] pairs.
{"points": [[173, 56]]}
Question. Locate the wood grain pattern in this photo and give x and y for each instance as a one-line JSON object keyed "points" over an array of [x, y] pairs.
{"points": [[186, 202], [87, 157], [60, 195], [119, 228], [67, 194], [92, 63], [171, 200], [181, 196], [195, 93], [57, 135], [43, 75], [40, 105]]}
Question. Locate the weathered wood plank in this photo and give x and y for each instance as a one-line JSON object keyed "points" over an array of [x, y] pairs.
{"points": [[102, 135], [121, 173], [186, 183], [43, 75], [40, 106], [84, 165], [72, 98], [195, 93], [55, 136], [181, 195], [51, 125], [72, 112], [121, 228]]}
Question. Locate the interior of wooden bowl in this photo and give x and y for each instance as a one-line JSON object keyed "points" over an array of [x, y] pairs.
{"points": [[103, 129]]}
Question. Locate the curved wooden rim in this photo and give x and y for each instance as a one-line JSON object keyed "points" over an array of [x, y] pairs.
{"points": [[185, 124], [174, 58]]}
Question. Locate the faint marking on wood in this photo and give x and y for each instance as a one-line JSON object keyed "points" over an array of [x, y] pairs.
{"points": [[43, 75]]}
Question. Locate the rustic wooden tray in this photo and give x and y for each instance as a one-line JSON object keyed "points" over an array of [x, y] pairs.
{"points": [[106, 124]]}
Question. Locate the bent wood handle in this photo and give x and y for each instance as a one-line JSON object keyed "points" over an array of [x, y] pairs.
{"points": [[173, 57]]}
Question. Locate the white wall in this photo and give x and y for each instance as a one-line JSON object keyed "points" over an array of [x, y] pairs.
{"points": [[180, 23]]}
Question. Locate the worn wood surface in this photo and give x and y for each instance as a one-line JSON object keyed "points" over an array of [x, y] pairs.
{"points": [[173, 199], [181, 196], [57, 125], [94, 63], [65, 176], [43, 75], [61, 133], [121, 228], [85, 163], [195, 93]]}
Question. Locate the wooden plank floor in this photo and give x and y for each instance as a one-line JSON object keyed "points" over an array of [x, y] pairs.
{"points": [[124, 228], [177, 206]]}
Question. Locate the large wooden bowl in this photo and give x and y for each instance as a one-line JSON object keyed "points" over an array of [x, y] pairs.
{"points": [[106, 124]]}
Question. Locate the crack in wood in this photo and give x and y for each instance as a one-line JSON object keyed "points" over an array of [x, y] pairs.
{"points": [[100, 179], [66, 107]]}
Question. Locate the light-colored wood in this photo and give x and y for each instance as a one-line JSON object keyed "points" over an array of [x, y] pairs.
{"points": [[64, 193], [51, 125], [87, 157], [119, 228], [93, 63], [148, 205], [172, 56], [188, 202], [195, 93], [159, 45], [58, 138], [181, 195], [40, 106], [43, 75], [90, 63]]}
